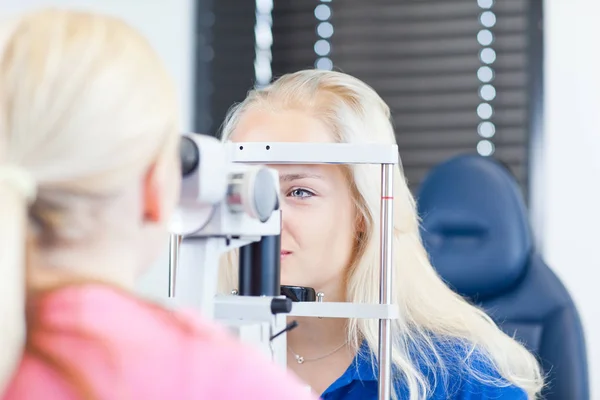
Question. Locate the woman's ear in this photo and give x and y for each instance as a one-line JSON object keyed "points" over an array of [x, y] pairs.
{"points": [[152, 196]]}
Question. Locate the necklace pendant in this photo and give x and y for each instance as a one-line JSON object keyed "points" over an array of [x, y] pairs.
{"points": [[300, 359]]}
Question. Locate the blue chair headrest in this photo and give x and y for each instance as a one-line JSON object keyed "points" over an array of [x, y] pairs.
{"points": [[475, 225]]}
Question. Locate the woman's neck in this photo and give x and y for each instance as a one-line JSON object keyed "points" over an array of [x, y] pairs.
{"points": [[314, 337], [318, 351], [56, 267]]}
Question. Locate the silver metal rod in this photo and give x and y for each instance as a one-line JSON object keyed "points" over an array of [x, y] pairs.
{"points": [[174, 245], [386, 279]]}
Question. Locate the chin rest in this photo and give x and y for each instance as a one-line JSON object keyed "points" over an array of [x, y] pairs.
{"points": [[476, 230]]}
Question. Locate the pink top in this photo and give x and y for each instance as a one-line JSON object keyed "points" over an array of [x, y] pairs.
{"points": [[125, 349]]}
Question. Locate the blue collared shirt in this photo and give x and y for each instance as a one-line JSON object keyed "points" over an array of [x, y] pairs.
{"points": [[359, 382]]}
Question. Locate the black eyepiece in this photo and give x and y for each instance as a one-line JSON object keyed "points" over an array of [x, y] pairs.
{"points": [[190, 156]]}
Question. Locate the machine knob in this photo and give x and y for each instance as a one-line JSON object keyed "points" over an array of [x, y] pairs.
{"points": [[281, 306], [254, 192]]}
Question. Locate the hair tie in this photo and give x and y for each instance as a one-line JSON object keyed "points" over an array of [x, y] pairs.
{"points": [[20, 180]]}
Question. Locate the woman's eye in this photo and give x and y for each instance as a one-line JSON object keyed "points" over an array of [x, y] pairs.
{"points": [[300, 193]]}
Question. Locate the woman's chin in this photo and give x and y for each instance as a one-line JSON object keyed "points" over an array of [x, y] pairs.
{"points": [[294, 281]]}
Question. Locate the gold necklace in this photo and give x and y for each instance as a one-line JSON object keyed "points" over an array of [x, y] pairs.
{"points": [[302, 360]]}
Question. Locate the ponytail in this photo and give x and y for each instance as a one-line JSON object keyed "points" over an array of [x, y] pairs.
{"points": [[17, 191]]}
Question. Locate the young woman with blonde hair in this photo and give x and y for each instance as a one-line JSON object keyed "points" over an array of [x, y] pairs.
{"points": [[89, 176], [443, 347]]}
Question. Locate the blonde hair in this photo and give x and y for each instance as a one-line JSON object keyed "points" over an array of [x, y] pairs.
{"points": [[436, 324], [86, 108]]}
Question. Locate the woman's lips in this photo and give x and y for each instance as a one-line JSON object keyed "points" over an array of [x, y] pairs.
{"points": [[285, 253]]}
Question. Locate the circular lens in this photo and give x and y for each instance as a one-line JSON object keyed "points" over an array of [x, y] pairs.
{"points": [[265, 195], [189, 156]]}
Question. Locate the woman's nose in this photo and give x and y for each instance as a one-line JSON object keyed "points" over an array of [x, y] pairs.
{"points": [[284, 216]]}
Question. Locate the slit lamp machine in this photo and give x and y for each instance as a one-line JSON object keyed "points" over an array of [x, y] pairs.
{"points": [[230, 200]]}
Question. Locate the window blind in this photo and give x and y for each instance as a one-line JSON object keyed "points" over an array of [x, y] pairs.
{"points": [[225, 57], [457, 74]]}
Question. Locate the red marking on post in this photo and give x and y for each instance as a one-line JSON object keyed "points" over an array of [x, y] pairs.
{"points": [[387, 197]]}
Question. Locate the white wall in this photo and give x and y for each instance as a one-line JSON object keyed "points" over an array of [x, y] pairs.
{"points": [[168, 25], [572, 159]]}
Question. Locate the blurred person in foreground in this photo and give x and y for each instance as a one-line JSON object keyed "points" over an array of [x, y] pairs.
{"points": [[89, 177]]}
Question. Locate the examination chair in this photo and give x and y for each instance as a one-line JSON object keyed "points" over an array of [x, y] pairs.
{"points": [[476, 230]]}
